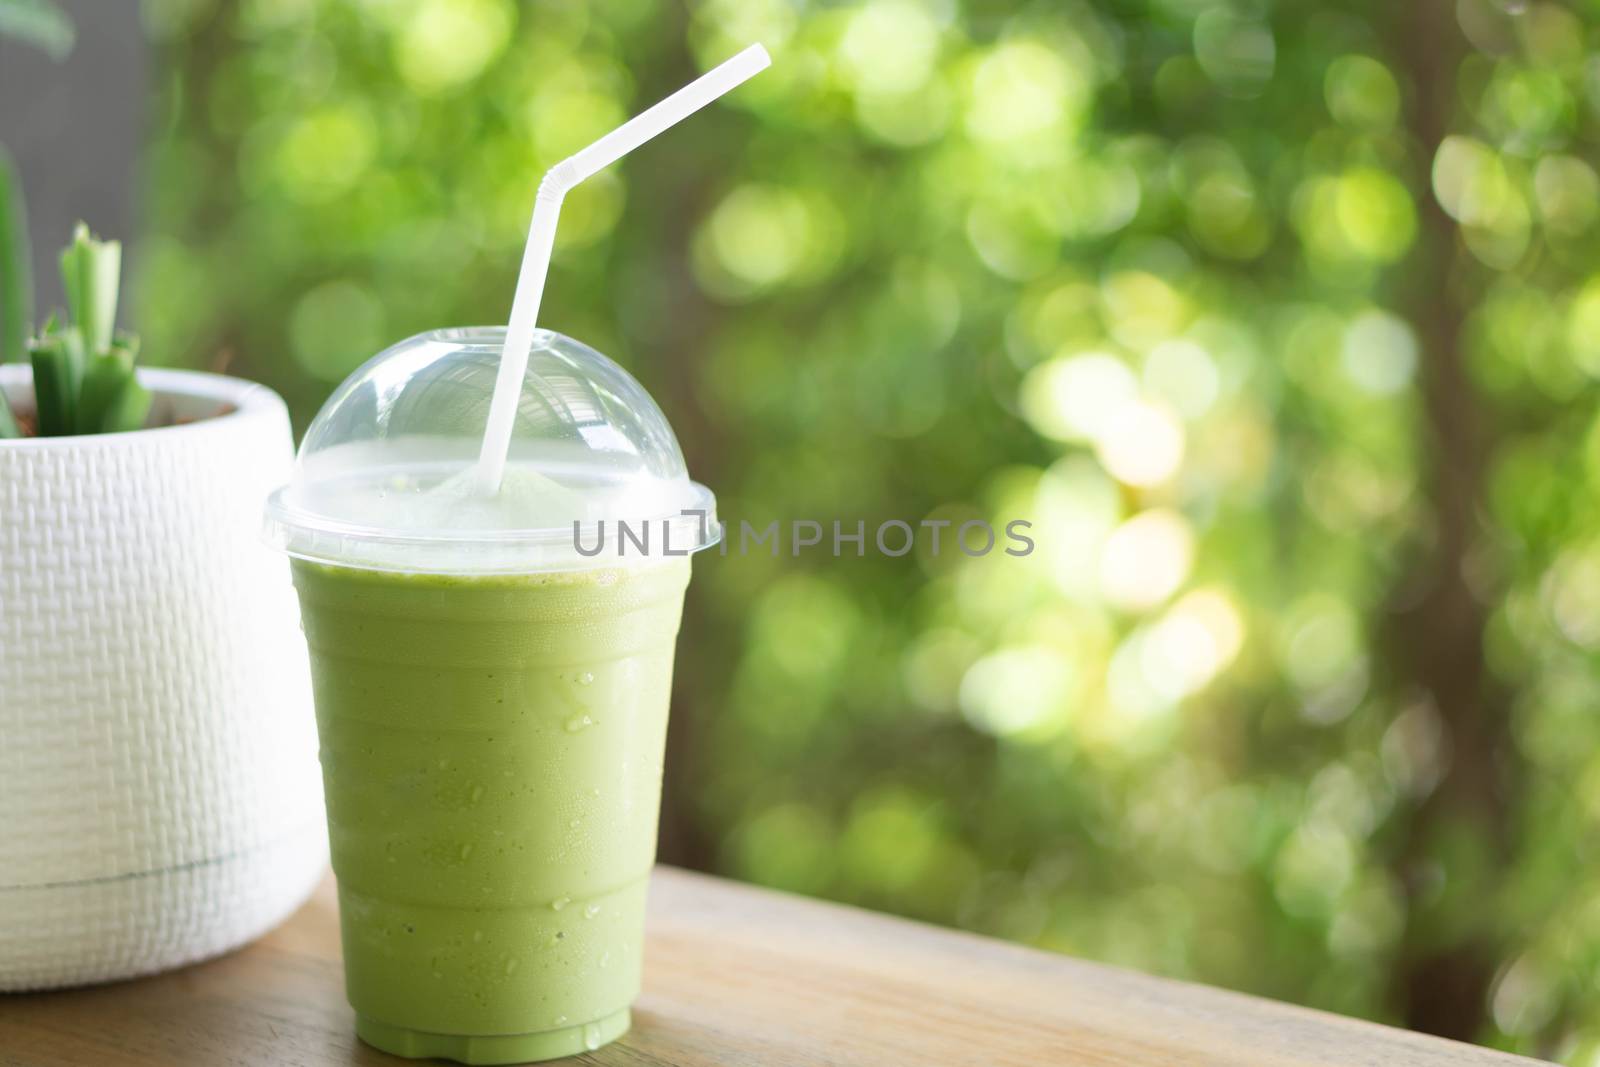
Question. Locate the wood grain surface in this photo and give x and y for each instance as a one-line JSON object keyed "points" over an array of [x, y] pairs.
{"points": [[734, 976]]}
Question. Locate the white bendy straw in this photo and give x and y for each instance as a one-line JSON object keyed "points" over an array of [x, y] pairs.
{"points": [[542, 234]]}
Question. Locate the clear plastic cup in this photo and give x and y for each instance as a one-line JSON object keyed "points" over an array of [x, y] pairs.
{"points": [[491, 678]]}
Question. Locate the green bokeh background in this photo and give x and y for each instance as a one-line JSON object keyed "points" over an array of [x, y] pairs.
{"points": [[1279, 320]]}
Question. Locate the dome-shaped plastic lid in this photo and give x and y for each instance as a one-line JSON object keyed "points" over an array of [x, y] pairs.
{"points": [[385, 476]]}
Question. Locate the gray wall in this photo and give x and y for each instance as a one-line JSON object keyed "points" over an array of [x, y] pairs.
{"points": [[75, 128]]}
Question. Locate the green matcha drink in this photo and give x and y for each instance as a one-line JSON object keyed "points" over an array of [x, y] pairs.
{"points": [[491, 662], [491, 753], [491, 685]]}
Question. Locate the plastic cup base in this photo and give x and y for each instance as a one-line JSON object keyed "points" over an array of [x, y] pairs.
{"points": [[493, 1048]]}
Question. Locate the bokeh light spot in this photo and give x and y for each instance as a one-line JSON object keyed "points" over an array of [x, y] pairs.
{"points": [[1080, 507], [1225, 217], [1583, 326], [326, 151], [1526, 996], [1146, 559], [905, 119], [890, 841], [1323, 642], [1238, 54], [446, 43], [1010, 241], [725, 26], [787, 846], [1142, 445], [1017, 690], [1182, 374], [889, 46], [565, 120], [1144, 309], [1376, 213], [757, 239], [1079, 397], [1361, 93], [1568, 194], [1570, 590], [1313, 869], [1474, 185], [1093, 197], [335, 328], [1192, 643], [1379, 352], [1022, 88], [806, 625]]}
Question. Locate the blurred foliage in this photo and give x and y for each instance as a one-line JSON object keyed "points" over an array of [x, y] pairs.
{"points": [[1279, 320], [39, 23]]}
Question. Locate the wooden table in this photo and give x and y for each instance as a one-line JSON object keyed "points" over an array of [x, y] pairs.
{"points": [[734, 976]]}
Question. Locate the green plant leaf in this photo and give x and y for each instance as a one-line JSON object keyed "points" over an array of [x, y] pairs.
{"points": [[91, 270], [104, 379], [126, 342], [112, 400], [39, 23], [16, 272], [127, 410], [58, 362]]}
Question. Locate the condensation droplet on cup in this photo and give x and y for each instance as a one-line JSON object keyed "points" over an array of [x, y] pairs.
{"points": [[466, 850], [586, 678], [560, 1020], [574, 824], [591, 1036], [579, 722], [477, 793], [591, 911], [559, 903], [477, 936], [605, 960], [511, 964]]}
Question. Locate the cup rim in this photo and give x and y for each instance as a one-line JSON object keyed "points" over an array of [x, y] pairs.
{"points": [[316, 538]]}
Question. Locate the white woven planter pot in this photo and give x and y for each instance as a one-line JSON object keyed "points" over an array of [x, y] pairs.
{"points": [[160, 800]]}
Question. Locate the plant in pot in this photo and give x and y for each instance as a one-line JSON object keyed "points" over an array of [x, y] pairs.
{"points": [[83, 377], [157, 747]]}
